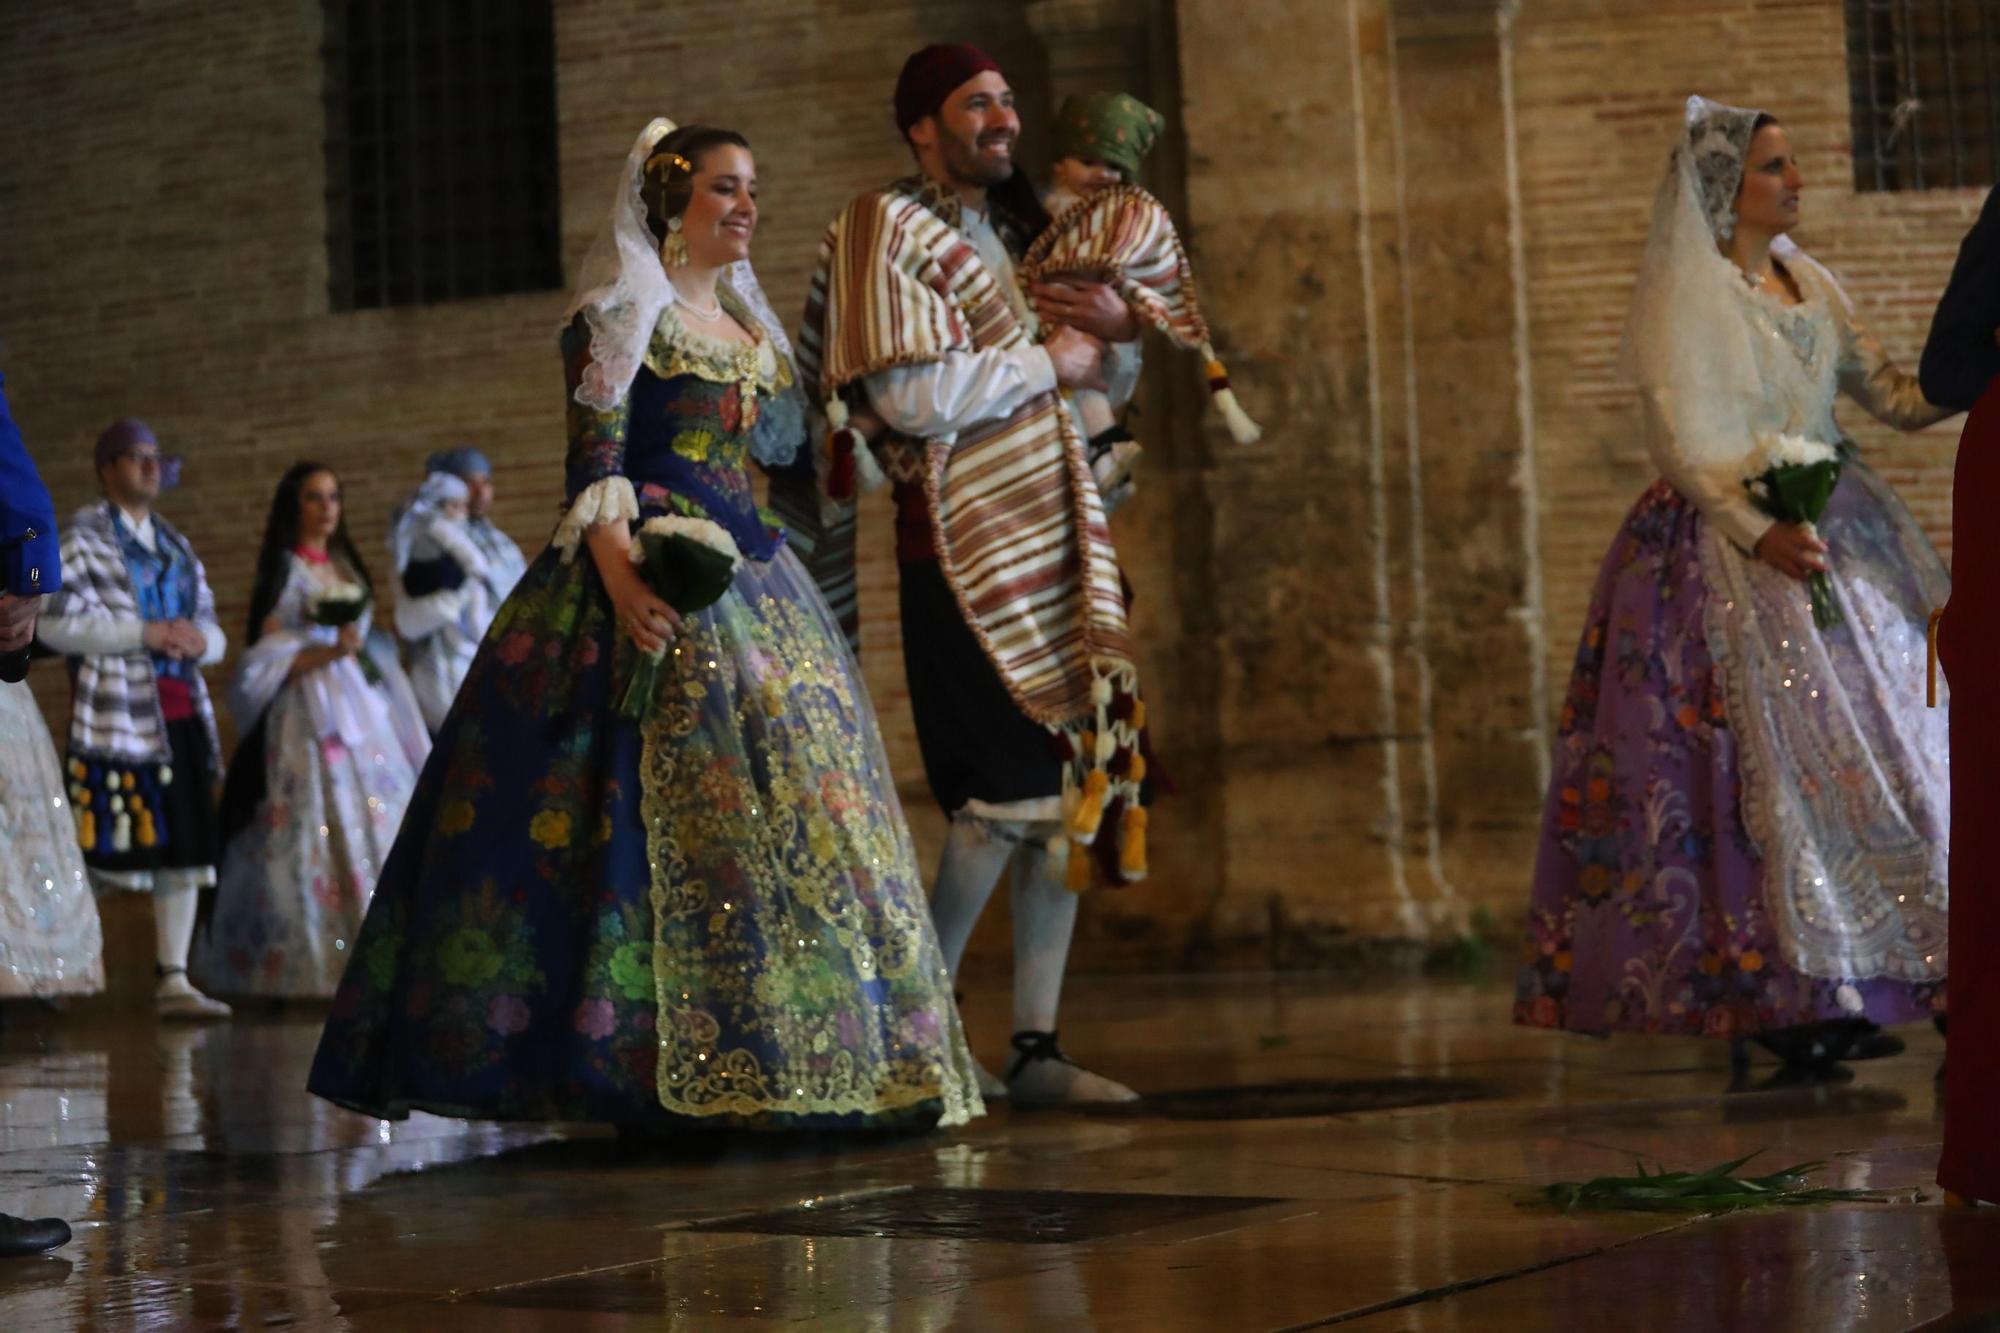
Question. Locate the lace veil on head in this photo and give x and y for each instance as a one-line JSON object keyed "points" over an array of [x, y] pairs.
{"points": [[623, 288], [1688, 343]]}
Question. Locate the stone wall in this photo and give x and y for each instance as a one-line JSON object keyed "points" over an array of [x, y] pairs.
{"points": [[1414, 224]]}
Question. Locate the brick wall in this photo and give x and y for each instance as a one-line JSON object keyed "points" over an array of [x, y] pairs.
{"points": [[1599, 87], [161, 250]]}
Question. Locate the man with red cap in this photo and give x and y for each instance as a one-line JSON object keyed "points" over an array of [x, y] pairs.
{"points": [[1015, 641], [136, 619]]}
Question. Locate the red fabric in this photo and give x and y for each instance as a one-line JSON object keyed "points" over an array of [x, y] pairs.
{"points": [[1969, 645], [312, 557], [914, 543], [933, 74], [176, 700]]}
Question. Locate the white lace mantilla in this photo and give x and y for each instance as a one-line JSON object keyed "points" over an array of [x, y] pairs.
{"points": [[1845, 776]]}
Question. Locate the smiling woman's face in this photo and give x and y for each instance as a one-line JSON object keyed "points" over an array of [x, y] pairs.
{"points": [[721, 215]]}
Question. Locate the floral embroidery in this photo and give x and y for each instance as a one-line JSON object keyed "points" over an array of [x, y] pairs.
{"points": [[550, 828], [1649, 905]]}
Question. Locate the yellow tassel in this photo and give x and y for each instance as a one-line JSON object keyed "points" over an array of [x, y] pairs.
{"points": [[1132, 845], [146, 833], [1138, 715], [88, 826], [1137, 774], [1089, 811], [1076, 877]]}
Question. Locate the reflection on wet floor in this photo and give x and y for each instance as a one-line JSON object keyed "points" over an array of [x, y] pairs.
{"points": [[208, 1191]]}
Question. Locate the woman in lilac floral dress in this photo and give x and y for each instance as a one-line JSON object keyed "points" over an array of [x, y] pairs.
{"points": [[712, 916], [1745, 835]]}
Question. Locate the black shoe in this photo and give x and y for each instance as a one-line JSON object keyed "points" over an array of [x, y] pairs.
{"points": [[19, 1235], [1808, 1046], [1875, 1045]]}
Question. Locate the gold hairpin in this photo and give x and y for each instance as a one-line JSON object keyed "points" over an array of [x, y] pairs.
{"points": [[672, 160]]}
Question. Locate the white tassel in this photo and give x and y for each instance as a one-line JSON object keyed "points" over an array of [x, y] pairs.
{"points": [[868, 475], [1241, 428], [836, 412], [121, 834]]}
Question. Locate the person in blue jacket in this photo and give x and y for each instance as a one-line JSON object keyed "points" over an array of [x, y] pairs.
{"points": [[30, 563], [30, 569]]}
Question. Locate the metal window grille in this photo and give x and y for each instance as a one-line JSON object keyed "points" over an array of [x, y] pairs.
{"points": [[440, 150], [1924, 83]]}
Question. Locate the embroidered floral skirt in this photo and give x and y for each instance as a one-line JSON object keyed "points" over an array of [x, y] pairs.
{"points": [[711, 917], [1650, 909]]}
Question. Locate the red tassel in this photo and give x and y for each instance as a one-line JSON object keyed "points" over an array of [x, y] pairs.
{"points": [[842, 470]]}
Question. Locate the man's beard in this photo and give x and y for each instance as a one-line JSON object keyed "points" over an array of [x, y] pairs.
{"points": [[967, 166]]}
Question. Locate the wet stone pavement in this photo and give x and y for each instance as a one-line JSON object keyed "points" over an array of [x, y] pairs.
{"points": [[1373, 1179]]}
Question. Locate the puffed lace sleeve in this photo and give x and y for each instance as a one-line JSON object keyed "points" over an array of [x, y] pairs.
{"points": [[594, 468]]}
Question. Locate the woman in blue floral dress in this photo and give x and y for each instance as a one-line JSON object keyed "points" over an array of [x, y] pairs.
{"points": [[710, 916]]}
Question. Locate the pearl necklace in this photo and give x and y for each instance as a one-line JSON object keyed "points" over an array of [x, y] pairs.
{"points": [[712, 312]]}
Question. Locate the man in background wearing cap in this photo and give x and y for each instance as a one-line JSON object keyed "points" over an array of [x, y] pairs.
{"points": [[136, 618], [1014, 637], [453, 570]]}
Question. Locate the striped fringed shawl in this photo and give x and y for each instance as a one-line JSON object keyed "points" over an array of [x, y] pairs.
{"points": [[116, 702], [1016, 520], [1126, 237]]}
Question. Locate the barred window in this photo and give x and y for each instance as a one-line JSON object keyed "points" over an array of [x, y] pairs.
{"points": [[441, 180], [1924, 90]]}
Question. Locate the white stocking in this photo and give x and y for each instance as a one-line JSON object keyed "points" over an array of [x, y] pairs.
{"points": [[1044, 921], [174, 905], [975, 854]]}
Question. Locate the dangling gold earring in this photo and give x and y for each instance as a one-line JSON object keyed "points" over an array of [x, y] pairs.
{"points": [[674, 250]]}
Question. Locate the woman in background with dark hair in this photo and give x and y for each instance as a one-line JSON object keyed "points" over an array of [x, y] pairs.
{"points": [[331, 740], [708, 915]]}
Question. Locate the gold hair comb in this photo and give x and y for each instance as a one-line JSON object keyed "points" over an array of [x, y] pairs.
{"points": [[672, 160]]}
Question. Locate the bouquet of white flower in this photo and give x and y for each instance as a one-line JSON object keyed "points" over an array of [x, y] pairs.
{"points": [[337, 604], [1795, 479], [688, 563]]}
